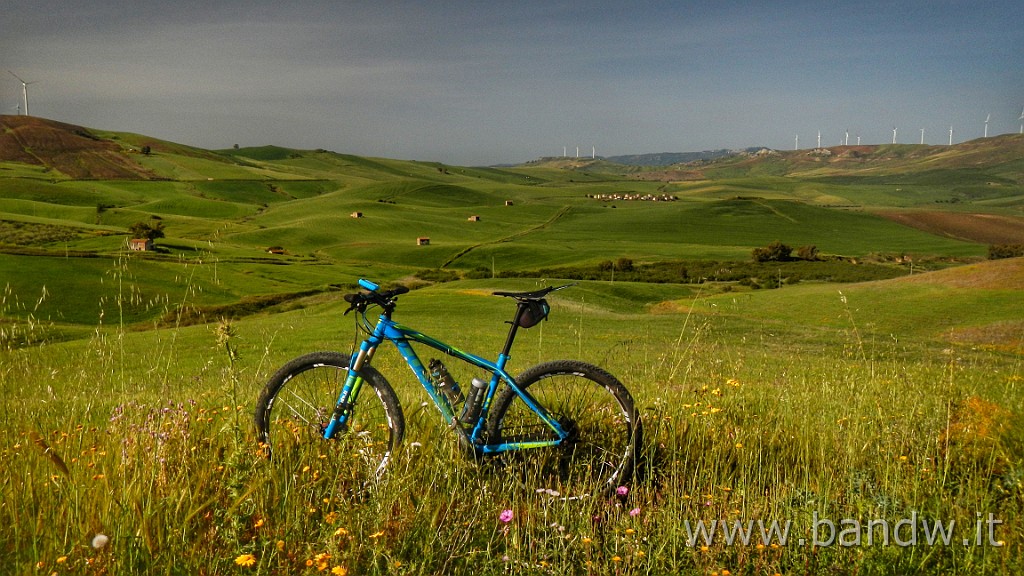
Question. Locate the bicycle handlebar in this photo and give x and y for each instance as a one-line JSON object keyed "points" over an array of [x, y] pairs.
{"points": [[384, 299]]}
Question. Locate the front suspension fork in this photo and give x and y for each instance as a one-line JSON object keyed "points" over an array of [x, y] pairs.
{"points": [[349, 392]]}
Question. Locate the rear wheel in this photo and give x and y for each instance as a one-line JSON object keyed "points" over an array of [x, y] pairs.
{"points": [[597, 411], [297, 403]]}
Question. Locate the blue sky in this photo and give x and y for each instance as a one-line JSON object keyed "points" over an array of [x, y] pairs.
{"points": [[477, 82]]}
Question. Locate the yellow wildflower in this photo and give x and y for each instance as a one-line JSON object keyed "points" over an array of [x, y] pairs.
{"points": [[245, 560]]}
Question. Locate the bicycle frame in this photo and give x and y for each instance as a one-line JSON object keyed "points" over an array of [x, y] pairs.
{"points": [[401, 336]]}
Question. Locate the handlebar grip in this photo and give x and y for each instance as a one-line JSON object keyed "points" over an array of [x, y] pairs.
{"points": [[373, 296], [368, 285]]}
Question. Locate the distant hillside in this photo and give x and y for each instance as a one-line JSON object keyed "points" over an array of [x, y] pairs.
{"points": [[73, 151], [977, 168], [999, 155], [670, 158]]}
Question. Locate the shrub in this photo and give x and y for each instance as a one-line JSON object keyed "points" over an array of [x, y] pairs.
{"points": [[998, 251], [479, 272], [774, 252], [809, 253], [437, 275], [146, 230]]}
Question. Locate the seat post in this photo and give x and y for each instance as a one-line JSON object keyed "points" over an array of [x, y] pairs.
{"points": [[520, 306]]}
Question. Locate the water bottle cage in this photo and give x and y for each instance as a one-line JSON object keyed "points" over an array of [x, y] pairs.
{"points": [[474, 401]]}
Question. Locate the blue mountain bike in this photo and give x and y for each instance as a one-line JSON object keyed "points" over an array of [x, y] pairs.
{"points": [[567, 428]]}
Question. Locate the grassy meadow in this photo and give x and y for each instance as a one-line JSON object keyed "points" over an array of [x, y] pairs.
{"points": [[854, 415], [834, 410]]}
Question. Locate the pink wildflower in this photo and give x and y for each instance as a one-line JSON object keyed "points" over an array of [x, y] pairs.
{"points": [[506, 516]]}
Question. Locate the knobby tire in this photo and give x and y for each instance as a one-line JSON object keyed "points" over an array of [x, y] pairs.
{"points": [[598, 457], [297, 403]]}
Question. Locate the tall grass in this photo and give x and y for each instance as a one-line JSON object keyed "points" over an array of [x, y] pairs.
{"points": [[144, 438]]}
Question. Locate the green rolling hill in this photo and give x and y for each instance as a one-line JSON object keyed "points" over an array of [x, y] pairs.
{"points": [[68, 195]]}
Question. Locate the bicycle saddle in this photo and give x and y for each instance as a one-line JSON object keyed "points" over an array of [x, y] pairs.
{"points": [[535, 295]]}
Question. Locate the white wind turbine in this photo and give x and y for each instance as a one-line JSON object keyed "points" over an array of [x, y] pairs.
{"points": [[1021, 120], [24, 90], [950, 135], [893, 134], [987, 118]]}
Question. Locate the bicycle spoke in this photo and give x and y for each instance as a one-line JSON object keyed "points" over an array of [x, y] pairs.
{"points": [[596, 411], [297, 394]]}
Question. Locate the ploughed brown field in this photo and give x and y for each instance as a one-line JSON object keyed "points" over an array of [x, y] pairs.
{"points": [[984, 228], [71, 150]]}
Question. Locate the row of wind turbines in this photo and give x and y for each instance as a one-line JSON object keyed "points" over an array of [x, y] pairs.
{"points": [[846, 139], [593, 153]]}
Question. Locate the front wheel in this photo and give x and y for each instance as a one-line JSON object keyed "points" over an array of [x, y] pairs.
{"points": [[298, 402], [597, 411]]}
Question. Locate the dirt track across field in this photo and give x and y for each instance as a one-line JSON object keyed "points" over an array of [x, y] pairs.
{"points": [[984, 228]]}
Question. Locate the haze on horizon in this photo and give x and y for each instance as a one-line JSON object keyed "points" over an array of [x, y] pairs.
{"points": [[476, 83]]}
